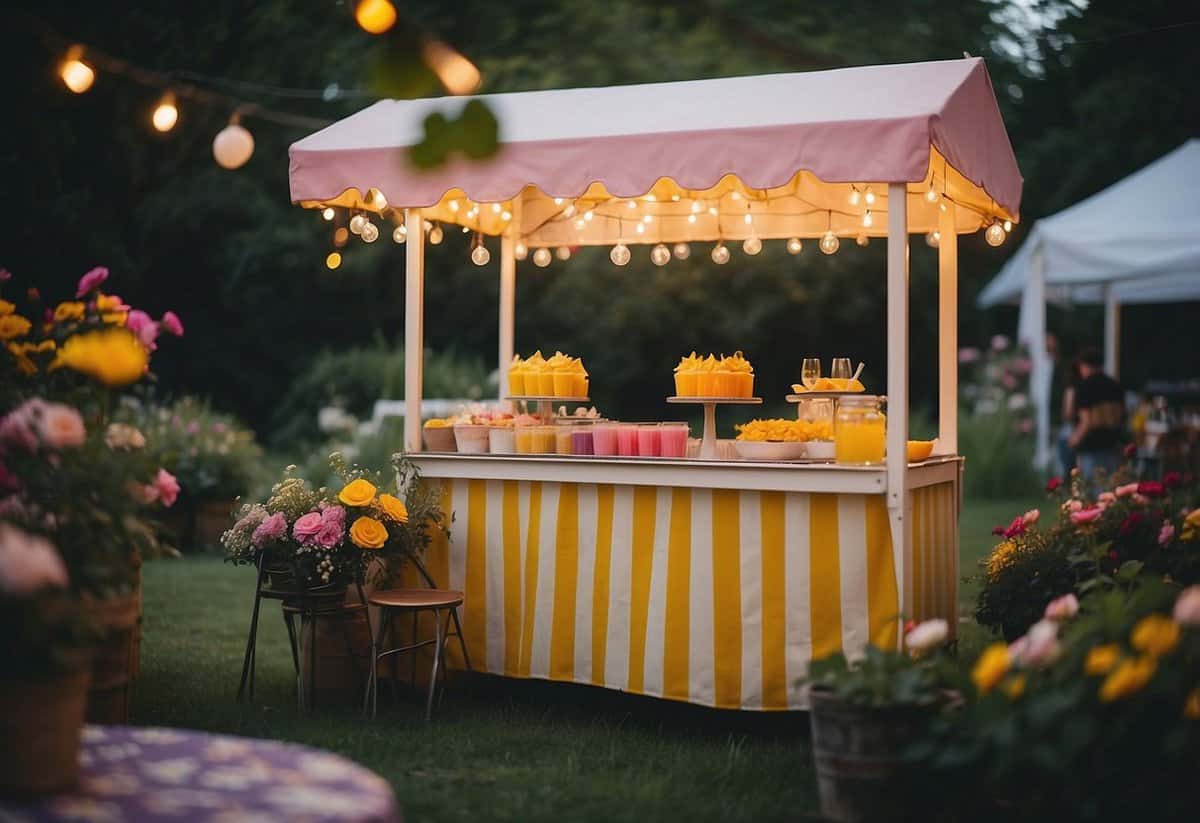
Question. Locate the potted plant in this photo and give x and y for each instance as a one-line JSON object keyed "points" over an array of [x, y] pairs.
{"points": [[43, 657], [863, 713]]}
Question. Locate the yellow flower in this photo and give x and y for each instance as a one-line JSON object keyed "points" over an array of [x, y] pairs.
{"points": [[1127, 678], [7, 308], [1155, 634], [24, 365], [1191, 706], [114, 318], [991, 667], [1101, 659], [112, 356], [357, 493], [393, 507], [13, 325], [46, 345], [368, 533], [1191, 526], [1003, 556], [107, 302], [71, 310], [1015, 687]]}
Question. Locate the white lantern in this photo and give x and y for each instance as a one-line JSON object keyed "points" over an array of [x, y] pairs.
{"points": [[233, 146], [660, 255]]}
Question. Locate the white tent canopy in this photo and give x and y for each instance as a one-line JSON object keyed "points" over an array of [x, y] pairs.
{"points": [[1137, 241]]}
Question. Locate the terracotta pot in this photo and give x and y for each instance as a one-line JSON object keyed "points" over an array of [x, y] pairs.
{"points": [[116, 658], [40, 720]]}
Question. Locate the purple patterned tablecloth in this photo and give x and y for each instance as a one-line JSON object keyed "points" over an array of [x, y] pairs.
{"points": [[130, 773]]}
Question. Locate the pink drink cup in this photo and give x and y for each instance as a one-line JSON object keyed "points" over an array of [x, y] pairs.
{"points": [[604, 439], [627, 440], [649, 444], [674, 437]]}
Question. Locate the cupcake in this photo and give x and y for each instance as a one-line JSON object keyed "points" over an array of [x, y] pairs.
{"points": [[706, 378], [742, 375], [686, 376], [516, 376]]}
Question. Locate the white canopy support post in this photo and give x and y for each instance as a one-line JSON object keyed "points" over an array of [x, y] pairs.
{"points": [[1112, 332], [898, 501], [508, 301], [947, 331], [414, 327], [1031, 330]]}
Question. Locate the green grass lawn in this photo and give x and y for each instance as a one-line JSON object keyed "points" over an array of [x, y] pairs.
{"points": [[498, 749]]}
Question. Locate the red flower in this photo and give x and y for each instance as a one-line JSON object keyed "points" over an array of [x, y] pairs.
{"points": [[1016, 527], [1130, 523], [909, 625], [1151, 488], [1053, 484], [1172, 480], [1112, 555], [1130, 450]]}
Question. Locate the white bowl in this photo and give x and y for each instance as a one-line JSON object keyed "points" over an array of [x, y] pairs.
{"points": [[819, 449], [759, 450], [471, 438]]}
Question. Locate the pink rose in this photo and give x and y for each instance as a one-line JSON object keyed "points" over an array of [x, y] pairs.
{"points": [[1016, 527], [335, 515], [968, 354], [1085, 516], [271, 529], [61, 426], [1107, 498], [171, 322], [1030, 517], [330, 535], [1062, 608], [16, 431], [1166, 533], [146, 329], [1187, 607], [28, 562], [1038, 647], [307, 527], [167, 487], [1074, 505], [91, 280], [1126, 490]]}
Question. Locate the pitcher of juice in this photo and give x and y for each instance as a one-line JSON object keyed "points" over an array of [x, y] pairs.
{"points": [[859, 431]]}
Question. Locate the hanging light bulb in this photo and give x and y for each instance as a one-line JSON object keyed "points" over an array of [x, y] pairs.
{"points": [[375, 16], [931, 195], [692, 218], [995, 234], [569, 210], [466, 229], [854, 196], [933, 239], [458, 74], [640, 228], [506, 215], [333, 260], [558, 201], [588, 215], [480, 254], [521, 251], [400, 233], [720, 253], [233, 146], [340, 235], [541, 257], [1008, 225], [829, 243], [649, 218], [435, 234], [370, 232], [619, 254], [682, 251], [632, 204], [712, 210], [166, 114], [862, 239], [696, 207], [794, 246], [328, 213], [660, 255], [868, 220], [747, 219], [562, 253], [356, 223], [752, 245], [869, 197], [76, 75]]}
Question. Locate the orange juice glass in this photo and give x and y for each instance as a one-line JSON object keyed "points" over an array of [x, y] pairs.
{"points": [[859, 432], [516, 382], [685, 384], [706, 384], [564, 384]]}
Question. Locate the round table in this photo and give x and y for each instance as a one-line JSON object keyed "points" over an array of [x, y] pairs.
{"points": [[130, 773]]}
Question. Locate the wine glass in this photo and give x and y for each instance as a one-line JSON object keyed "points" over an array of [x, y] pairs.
{"points": [[810, 372], [841, 368]]}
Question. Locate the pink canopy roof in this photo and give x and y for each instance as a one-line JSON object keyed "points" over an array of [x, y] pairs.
{"points": [[881, 124]]}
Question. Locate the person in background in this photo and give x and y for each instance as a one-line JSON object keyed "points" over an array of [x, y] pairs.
{"points": [[1100, 410], [1069, 419]]}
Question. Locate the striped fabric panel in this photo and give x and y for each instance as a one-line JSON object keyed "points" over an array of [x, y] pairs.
{"points": [[716, 597]]}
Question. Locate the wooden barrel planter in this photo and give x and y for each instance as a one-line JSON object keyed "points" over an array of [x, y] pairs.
{"points": [[115, 661], [857, 752], [343, 649], [210, 519], [40, 721]]}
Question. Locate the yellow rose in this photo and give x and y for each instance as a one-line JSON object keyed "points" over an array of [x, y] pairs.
{"points": [[114, 318], [108, 302], [71, 310], [7, 308], [393, 507], [1155, 634], [1102, 659], [112, 356], [1191, 706], [368, 533], [1015, 687], [991, 667], [1127, 678], [13, 325], [357, 493]]}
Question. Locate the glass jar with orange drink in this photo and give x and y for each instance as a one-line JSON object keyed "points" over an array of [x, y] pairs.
{"points": [[859, 431]]}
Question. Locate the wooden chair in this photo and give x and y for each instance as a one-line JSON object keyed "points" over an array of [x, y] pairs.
{"points": [[395, 602]]}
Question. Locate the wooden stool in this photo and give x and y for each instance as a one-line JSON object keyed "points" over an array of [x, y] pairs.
{"points": [[414, 601]]}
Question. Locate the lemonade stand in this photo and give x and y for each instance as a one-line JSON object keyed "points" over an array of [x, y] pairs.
{"points": [[695, 578]]}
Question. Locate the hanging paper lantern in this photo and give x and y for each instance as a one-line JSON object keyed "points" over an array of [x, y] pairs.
{"points": [[233, 146]]}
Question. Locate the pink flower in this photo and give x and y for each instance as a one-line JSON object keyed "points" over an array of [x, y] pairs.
{"points": [[1062, 608], [1038, 647], [1085, 516], [171, 322], [330, 535], [146, 329], [1140, 499], [144, 493], [1023, 365], [28, 563], [1107, 498], [1126, 490], [307, 526], [1151, 488], [1187, 607], [271, 529], [1016, 527], [5, 275], [999, 342], [61, 426], [8, 481], [1053, 483], [91, 280], [926, 636], [1074, 505], [1030, 517], [167, 487], [335, 515], [16, 431], [1166, 533], [968, 354]]}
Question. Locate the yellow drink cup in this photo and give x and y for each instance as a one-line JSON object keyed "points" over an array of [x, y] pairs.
{"points": [[516, 382], [564, 384]]}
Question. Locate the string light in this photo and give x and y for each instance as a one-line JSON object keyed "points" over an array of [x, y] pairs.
{"points": [[166, 114], [682, 251], [333, 260], [558, 201], [869, 197], [794, 246], [569, 210], [521, 251], [453, 205], [995, 234], [496, 207], [933, 239], [506, 215], [370, 232], [829, 243], [720, 253], [588, 215], [563, 253], [747, 219], [752, 245], [640, 228], [1008, 225], [649, 218], [356, 223], [862, 239], [400, 233], [931, 194], [541, 257], [466, 229], [435, 234], [480, 255], [456, 73], [867, 219], [854, 196], [696, 207], [327, 213], [233, 146], [76, 75], [660, 255], [580, 223], [691, 218], [631, 204], [712, 210], [619, 254], [375, 16]]}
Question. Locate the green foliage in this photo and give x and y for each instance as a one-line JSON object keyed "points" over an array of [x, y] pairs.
{"points": [[1019, 579], [881, 679], [474, 133], [999, 458]]}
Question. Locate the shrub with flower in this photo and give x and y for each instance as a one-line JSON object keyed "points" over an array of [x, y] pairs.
{"points": [[335, 536]]}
